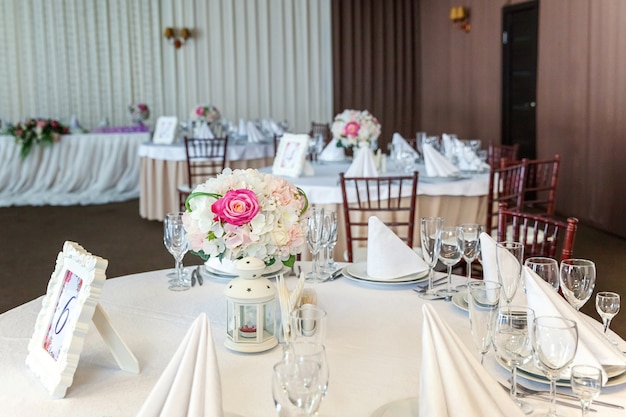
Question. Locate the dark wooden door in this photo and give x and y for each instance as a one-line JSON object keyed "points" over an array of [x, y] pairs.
{"points": [[519, 76]]}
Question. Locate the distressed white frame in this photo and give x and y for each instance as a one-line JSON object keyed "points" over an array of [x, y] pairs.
{"points": [[291, 155]]}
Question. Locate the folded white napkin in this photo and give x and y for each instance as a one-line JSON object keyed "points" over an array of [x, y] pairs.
{"points": [[242, 130], [190, 384], [436, 164], [254, 134], [453, 382], [388, 256], [448, 146], [203, 131], [594, 348], [276, 128], [398, 141], [332, 152], [363, 164]]}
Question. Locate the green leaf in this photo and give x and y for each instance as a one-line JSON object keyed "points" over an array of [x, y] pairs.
{"points": [[290, 262], [198, 194]]}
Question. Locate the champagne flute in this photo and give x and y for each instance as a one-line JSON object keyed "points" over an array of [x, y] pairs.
{"points": [[430, 237], [586, 383], [315, 240], [175, 240], [546, 268], [471, 247], [483, 302], [578, 278], [450, 254], [555, 341], [509, 257], [513, 345], [331, 221], [607, 306]]}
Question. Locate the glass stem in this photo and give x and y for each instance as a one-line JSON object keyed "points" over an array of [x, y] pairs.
{"points": [[449, 278], [514, 383], [606, 324], [469, 272], [179, 270], [430, 279], [315, 268], [552, 411], [584, 405]]}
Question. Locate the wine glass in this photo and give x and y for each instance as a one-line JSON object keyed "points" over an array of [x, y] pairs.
{"points": [[430, 237], [546, 268], [555, 341], [512, 344], [331, 222], [471, 247], [450, 254], [578, 278], [607, 306], [509, 258], [483, 302], [315, 239], [175, 240], [314, 351], [586, 383], [296, 387]]}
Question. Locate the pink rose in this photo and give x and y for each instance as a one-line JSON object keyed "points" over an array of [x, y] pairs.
{"points": [[236, 207], [200, 111], [352, 129], [142, 107]]}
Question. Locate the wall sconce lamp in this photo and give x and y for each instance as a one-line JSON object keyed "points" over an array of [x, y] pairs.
{"points": [[460, 16], [181, 39]]}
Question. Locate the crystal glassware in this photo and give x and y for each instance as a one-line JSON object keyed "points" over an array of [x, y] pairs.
{"points": [[546, 268], [296, 388], [483, 299], [512, 344], [450, 254], [316, 238], [331, 223], [578, 278], [308, 324], [586, 384], [175, 240], [555, 341], [471, 247], [430, 237], [509, 258], [315, 351], [607, 306]]}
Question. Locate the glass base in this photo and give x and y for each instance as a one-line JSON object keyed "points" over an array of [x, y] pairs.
{"points": [[182, 286], [446, 292], [429, 295], [172, 273], [316, 278], [525, 407]]}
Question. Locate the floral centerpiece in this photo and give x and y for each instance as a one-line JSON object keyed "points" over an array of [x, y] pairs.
{"points": [[355, 128], [37, 131], [138, 112], [205, 113], [243, 213]]}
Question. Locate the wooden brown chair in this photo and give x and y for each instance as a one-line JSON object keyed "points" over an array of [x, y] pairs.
{"points": [[540, 185], [497, 152], [392, 199], [506, 183], [205, 158], [541, 235]]}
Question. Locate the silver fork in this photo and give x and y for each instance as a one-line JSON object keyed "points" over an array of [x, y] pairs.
{"points": [[530, 391], [543, 397]]}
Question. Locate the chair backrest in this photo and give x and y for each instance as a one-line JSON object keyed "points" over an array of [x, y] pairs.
{"points": [[540, 185], [205, 158], [506, 183], [541, 235], [321, 129], [392, 199], [496, 152]]}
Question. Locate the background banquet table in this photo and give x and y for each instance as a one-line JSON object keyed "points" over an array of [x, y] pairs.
{"points": [[164, 168], [79, 169], [373, 345]]}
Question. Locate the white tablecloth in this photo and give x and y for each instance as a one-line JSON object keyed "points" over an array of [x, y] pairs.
{"points": [[79, 169], [373, 347]]}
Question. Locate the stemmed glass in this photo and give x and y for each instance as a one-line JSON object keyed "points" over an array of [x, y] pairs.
{"points": [[297, 387], [175, 240], [546, 268], [315, 239], [607, 306], [430, 236], [450, 254], [329, 247], [512, 343], [301, 351], [483, 302], [586, 383], [578, 278], [509, 258], [555, 341], [471, 247]]}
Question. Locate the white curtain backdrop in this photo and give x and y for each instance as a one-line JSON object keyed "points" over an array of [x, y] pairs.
{"points": [[251, 59]]}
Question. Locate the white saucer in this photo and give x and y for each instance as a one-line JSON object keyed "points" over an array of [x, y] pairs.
{"points": [[460, 300], [408, 407], [359, 271]]}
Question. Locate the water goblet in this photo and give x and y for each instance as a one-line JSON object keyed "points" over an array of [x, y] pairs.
{"points": [[430, 237], [296, 388], [509, 258], [175, 240], [578, 278], [315, 240], [471, 247], [586, 383], [607, 306], [304, 350], [546, 268], [450, 254], [555, 341], [483, 298], [512, 344]]}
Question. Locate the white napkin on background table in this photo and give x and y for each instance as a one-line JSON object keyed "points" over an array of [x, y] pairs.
{"points": [[436, 164], [254, 135], [203, 131], [388, 256], [242, 130], [190, 384], [399, 141], [452, 381], [363, 164], [332, 152]]}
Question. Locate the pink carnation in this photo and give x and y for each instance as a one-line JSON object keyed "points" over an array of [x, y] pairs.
{"points": [[236, 207], [352, 129]]}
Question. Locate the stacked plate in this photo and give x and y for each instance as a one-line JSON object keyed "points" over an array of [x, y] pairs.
{"points": [[358, 272], [209, 271]]}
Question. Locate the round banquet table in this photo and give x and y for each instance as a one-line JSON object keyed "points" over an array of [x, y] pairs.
{"points": [[373, 346], [164, 168]]}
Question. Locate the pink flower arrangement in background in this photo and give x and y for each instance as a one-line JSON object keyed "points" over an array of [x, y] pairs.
{"points": [[138, 112], [37, 131], [243, 213], [205, 113], [355, 127]]}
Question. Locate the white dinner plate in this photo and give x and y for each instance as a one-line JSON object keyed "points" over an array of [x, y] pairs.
{"points": [[359, 271], [408, 407], [212, 273], [460, 300], [458, 177]]}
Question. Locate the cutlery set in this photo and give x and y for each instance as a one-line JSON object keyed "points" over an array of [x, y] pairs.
{"points": [[196, 276]]}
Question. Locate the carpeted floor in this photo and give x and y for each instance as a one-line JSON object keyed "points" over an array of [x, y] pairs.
{"points": [[33, 236]]}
